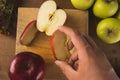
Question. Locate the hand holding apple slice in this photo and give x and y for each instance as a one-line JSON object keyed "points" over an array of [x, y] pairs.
{"points": [[29, 33], [49, 17], [59, 46]]}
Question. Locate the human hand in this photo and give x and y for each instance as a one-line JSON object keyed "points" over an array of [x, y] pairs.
{"points": [[88, 62]]}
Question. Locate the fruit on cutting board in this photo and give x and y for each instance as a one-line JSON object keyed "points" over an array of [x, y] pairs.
{"points": [[59, 45], [105, 8], [50, 18], [108, 30], [27, 66], [82, 4], [29, 33]]}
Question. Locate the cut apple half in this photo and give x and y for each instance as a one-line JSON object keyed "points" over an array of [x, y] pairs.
{"points": [[59, 46], [29, 33], [50, 18]]}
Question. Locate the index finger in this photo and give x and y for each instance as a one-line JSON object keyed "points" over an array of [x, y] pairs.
{"points": [[76, 38]]}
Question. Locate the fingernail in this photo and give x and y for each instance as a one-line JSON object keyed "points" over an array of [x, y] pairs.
{"points": [[60, 27], [57, 62]]}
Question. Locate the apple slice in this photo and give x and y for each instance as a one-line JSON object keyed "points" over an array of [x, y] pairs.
{"points": [[59, 46], [50, 18], [29, 33]]}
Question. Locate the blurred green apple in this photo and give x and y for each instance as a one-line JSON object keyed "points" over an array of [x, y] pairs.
{"points": [[82, 4], [105, 8], [108, 30], [118, 14]]}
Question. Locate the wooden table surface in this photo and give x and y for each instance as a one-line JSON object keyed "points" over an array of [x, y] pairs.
{"points": [[112, 51]]}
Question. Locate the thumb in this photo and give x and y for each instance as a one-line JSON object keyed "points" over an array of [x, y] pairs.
{"points": [[66, 69]]}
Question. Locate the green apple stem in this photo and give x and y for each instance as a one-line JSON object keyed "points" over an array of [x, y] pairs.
{"points": [[110, 32], [109, 1]]}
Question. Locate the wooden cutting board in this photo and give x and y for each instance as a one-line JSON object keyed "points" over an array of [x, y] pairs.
{"points": [[41, 44]]}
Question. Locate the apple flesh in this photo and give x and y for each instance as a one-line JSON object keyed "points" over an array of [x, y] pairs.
{"points": [[82, 4], [29, 33], [27, 66], [50, 18], [59, 45], [108, 30]]}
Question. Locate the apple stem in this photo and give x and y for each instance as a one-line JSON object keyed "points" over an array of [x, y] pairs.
{"points": [[26, 67], [110, 32], [109, 1]]}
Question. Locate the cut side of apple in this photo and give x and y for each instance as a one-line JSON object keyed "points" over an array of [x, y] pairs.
{"points": [[29, 33], [50, 18], [59, 46]]}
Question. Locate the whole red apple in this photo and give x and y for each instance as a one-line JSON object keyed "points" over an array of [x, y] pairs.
{"points": [[27, 66]]}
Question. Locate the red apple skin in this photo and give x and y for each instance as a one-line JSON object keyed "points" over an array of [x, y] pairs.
{"points": [[29, 33], [52, 45], [27, 66]]}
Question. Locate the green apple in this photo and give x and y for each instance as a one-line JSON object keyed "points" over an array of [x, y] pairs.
{"points": [[105, 8], [82, 4], [108, 30]]}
